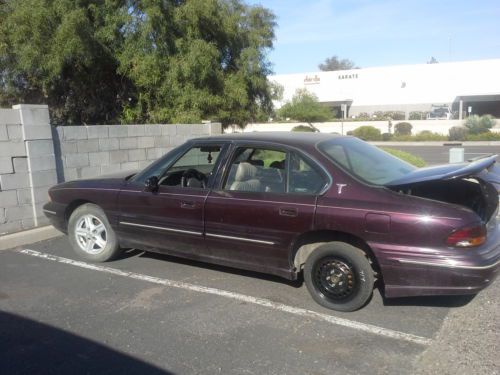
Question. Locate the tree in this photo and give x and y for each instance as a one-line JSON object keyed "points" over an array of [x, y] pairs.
{"points": [[305, 106], [402, 128], [479, 124], [334, 63], [104, 61]]}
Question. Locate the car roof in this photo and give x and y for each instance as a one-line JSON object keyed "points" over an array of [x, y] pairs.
{"points": [[287, 138]]}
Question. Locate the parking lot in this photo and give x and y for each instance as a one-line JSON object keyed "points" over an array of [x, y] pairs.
{"points": [[148, 313]]}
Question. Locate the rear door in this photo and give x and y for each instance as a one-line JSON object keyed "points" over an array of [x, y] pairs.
{"points": [[263, 200]]}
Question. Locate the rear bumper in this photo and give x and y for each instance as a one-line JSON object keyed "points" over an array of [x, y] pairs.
{"points": [[55, 213], [413, 271]]}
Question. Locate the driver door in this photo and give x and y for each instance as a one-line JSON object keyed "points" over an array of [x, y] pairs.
{"points": [[170, 219]]}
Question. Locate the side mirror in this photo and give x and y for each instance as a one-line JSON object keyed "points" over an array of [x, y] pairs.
{"points": [[151, 184]]}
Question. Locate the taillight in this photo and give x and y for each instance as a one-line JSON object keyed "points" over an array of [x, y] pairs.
{"points": [[467, 237]]}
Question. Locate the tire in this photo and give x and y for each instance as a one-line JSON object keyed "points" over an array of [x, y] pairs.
{"points": [[351, 285], [91, 235]]}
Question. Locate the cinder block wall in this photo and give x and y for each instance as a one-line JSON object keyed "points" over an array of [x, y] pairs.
{"points": [[35, 156], [88, 151]]}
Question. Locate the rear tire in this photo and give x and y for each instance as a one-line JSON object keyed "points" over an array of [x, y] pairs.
{"points": [[339, 276], [91, 235]]}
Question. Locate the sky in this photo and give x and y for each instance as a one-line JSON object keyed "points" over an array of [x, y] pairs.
{"points": [[382, 32]]}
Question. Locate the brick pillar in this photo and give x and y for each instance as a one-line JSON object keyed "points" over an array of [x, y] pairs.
{"points": [[41, 165]]}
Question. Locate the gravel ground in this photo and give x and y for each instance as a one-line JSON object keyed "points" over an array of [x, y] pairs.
{"points": [[469, 340]]}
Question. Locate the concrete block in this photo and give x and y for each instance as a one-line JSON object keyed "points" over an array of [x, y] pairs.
{"points": [[136, 155], [44, 178], [20, 164], [136, 130], [34, 114], [10, 227], [118, 131], [70, 174], [19, 213], [197, 129], [215, 128], [28, 223], [109, 144], [116, 157], [130, 166], [69, 147], [43, 163], [183, 129], [72, 133], [128, 143], [77, 160], [42, 220], [41, 194], [98, 131], [3, 218], [152, 153], [91, 145], [12, 148], [168, 129], [152, 130], [14, 181], [37, 132], [110, 169], [178, 140], [99, 158], [6, 165], [144, 163], [8, 198], [39, 148], [4, 136], [145, 142], [15, 131], [163, 141], [9, 116], [24, 196], [87, 172]]}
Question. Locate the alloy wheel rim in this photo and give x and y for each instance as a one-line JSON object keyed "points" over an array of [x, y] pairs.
{"points": [[335, 279], [91, 235]]}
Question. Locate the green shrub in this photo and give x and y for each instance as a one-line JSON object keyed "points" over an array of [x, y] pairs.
{"points": [[418, 115], [303, 128], [427, 135], [457, 133], [415, 160], [489, 136], [389, 115], [479, 124], [367, 133], [386, 136], [402, 128]]}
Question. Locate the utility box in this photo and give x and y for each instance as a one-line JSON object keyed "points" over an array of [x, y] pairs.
{"points": [[457, 155]]}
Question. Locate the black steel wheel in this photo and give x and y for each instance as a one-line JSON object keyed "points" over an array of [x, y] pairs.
{"points": [[339, 276]]}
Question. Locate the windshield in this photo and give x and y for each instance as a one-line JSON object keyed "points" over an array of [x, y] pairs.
{"points": [[367, 162]]}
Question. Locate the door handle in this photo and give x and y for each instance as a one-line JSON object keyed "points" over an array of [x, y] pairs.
{"points": [[188, 205], [291, 212]]}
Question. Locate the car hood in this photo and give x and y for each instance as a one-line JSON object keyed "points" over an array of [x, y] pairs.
{"points": [[452, 171]]}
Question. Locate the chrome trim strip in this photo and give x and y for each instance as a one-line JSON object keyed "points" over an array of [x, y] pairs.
{"points": [[161, 228], [262, 201], [50, 212], [405, 261], [239, 238]]}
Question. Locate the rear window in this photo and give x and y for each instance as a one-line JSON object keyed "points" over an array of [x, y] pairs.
{"points": [[367, 162]]}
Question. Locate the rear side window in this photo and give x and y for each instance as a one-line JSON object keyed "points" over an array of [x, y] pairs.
{"points": [[257, 170], [304, 177]]}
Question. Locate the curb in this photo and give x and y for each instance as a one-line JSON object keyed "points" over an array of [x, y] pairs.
{"points": [[26, 237]]}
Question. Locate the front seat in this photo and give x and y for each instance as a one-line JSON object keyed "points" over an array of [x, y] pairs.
{"points": [[245, 178]]}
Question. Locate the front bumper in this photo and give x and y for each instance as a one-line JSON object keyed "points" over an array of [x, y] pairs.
{"points": [[55, 212], [413, 271]]}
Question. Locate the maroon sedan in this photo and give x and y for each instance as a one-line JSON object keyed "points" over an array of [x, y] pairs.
{"points": [[339, 211]]}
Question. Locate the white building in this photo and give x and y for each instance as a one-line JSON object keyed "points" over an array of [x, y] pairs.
{"points": [[459, 86]]}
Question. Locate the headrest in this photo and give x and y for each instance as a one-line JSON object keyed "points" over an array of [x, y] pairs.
{"points": [[245, 171]]}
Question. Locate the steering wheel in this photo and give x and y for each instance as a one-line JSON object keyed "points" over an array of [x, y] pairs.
{"points": [[193, 173]]}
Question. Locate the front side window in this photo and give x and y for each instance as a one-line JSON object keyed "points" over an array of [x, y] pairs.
{"points": [[257, 170]]}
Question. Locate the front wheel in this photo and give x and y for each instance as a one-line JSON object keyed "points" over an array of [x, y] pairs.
{"points": [[339, 276], [91, 235]]}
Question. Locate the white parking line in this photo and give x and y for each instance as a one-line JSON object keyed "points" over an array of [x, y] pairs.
{"points": [[240, 297]]}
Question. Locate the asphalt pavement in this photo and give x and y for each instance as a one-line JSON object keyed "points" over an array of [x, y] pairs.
{"points": [[150, 313]]}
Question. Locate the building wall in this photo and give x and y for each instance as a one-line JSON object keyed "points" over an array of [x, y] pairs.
{"points": [[34, 156]]}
